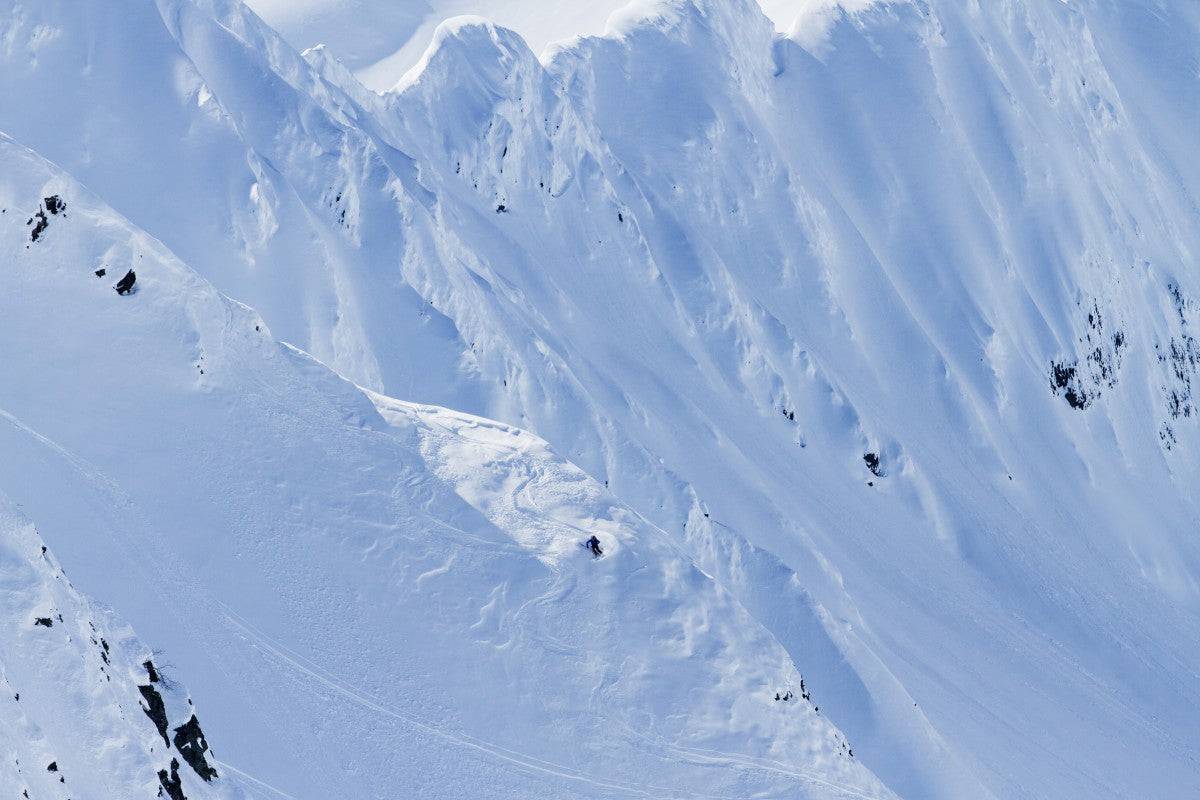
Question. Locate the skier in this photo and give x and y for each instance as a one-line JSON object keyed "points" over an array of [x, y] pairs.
{"points": [[125, 285], [593, 544]]}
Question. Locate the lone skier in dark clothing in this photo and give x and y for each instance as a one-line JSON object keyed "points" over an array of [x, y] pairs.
{"points": [[125, 285], [593, 544]]}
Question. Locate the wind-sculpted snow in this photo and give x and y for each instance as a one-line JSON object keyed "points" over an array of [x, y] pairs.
{"points": [[356, 585], [886, 324]]}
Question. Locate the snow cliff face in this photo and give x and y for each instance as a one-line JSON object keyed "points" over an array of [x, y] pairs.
{"points": [[889, 324]]}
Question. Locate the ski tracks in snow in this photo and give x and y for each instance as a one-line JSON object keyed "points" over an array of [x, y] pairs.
{"points": [[173, 587], [522, 761]]}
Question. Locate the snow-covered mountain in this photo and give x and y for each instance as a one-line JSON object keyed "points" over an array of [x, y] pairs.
{"points": [[84, 703], [362, 584], [381, 40], [869, 348]]}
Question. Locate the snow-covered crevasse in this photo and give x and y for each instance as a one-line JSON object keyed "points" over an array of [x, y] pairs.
{"points": [[372, 598], [718, 269], [86, 713]]}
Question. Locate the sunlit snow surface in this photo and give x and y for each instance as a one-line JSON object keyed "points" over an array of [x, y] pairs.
{"points": [[724, 273], [380, 40], [388, 599]]}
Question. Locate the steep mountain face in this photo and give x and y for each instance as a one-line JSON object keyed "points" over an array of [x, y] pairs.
{"points": [[358, 584], [888, 323], [86, 712]]}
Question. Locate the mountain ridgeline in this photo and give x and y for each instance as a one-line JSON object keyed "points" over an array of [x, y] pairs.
{"points": [[866, 352]]}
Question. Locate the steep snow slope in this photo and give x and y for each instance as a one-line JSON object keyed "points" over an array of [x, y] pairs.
{"points": [[890, 325], [949, 246], [84, 705], [374, 599]]}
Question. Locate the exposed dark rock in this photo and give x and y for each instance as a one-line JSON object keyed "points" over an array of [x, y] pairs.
{"points": [[54, 205], [45, 622], [52, 766], [1064, 380], [1167, 435], [125, 285], [100, 273], [873, 464], [151, 671], [172, 783], [39, 227], [1181, 359], [1081, 381], [156, 710], [191, 744]]}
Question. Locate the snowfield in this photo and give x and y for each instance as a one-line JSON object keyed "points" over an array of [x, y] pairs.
{"points": [[866, 349]]}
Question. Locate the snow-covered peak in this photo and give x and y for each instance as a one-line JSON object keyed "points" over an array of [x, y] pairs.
{"points": [[468, 48], [381, 41]]}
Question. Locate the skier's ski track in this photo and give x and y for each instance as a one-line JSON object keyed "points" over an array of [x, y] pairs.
{"points": [[245, 776], [564, 582], [736, 760], [175, 590], [516, 758], [522, 761]]}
